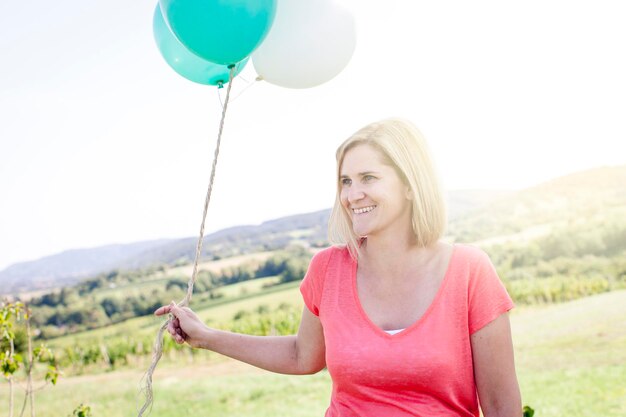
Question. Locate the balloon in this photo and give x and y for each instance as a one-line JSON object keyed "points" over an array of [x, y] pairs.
{"points": [[310, 42], [220, 31], [183, 61]]}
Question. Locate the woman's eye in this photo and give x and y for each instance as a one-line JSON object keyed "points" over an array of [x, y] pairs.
{"points": [[368, 178], [346, 181]]}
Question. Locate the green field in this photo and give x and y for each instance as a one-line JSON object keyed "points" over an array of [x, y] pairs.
{"points": [[571, 361], [571, 357], [247, 295]]}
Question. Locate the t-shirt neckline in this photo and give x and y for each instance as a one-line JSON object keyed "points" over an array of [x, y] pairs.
{"points": [[417, 322]]}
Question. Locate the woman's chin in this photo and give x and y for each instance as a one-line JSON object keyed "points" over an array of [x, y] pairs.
{"points": [[360, 231]]}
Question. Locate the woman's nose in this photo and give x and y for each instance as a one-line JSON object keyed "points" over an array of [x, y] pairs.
{"points": [[355, 194]]}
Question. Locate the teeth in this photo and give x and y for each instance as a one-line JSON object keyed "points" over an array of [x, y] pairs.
{"points": [[363, 209]]}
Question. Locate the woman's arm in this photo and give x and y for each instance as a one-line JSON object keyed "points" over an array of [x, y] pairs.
{"points": [[494, 370], [299, 354]]}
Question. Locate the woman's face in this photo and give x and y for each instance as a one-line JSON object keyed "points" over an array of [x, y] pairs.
{"points": [[372, 193]]}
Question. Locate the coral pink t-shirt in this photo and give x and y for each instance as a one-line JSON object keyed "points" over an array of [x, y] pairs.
{"points": [[424, 370]]}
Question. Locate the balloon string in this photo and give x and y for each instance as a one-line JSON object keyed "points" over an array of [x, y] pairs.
{"points": [[185, 301], [250, 84], [158, 344]]}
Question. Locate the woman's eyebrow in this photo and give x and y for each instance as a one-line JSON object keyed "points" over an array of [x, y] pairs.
{"points": [[360, 174]]}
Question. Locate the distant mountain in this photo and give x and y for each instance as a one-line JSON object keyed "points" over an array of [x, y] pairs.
{"points": [[462, 202], [592, 195], [270, 235], [69, 266], [475, 216]]}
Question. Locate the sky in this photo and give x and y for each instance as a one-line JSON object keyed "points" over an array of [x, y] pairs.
{"points": [[101, 142]]}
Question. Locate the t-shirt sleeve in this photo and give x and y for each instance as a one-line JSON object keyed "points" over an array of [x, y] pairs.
{"points": [[313, 283], [488, 297]]}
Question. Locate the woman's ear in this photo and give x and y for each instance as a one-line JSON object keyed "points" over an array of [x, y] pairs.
{"points": [[409, 194]]}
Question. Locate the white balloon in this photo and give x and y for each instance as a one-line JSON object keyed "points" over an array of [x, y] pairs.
{"points": [[310, 42]]}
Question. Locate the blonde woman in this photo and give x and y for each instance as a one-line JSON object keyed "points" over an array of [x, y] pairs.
{"points": [[406, 324]]}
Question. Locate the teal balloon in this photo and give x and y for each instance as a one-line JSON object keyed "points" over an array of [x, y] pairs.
{"points": [[184, 62], [220, 31]]}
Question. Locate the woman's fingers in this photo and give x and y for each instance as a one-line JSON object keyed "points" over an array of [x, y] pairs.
{"points": [[162, 310], [174, 309], [173, 326], [176, 332], [171, 329], [170, 308]]}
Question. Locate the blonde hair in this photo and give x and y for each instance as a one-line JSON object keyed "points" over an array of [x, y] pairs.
{"points": [[402, 147]]}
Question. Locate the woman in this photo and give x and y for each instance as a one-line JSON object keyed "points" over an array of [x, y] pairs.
{"points": [[406, 324]]}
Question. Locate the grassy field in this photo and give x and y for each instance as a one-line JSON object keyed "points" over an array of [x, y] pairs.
{"points": [[219, 265], [158, 279], [248, 295], [571, 357], [571, 361]]}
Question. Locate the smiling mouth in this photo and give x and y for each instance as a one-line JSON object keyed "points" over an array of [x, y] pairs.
{"points": [[363, 210]]}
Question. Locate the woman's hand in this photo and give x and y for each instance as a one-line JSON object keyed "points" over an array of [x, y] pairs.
{"points": [[185, 326]]}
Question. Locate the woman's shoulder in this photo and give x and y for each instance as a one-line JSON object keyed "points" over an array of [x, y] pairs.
{"points": [[332, 258], [472, 266], [335, 252], [469, 253]]}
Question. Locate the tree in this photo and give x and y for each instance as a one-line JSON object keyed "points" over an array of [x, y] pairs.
{"points": [[11, 360], [111, 306], [294, 270]]}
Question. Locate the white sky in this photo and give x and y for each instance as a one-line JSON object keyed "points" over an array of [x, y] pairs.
{"points": [[101, 142]]}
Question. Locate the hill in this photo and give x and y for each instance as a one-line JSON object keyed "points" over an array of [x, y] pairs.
{"points": [[71, 266], [581, 213], [68, 267], [576, 198]]}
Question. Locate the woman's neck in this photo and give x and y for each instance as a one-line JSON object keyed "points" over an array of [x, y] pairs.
{"points": [[396, 253]]}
